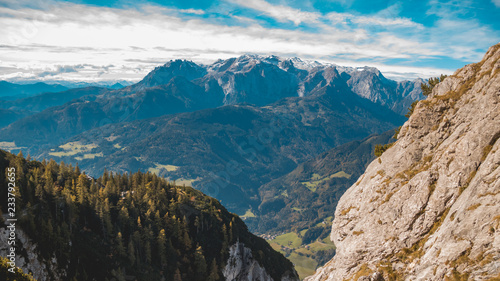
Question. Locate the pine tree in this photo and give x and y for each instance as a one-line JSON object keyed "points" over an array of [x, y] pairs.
{"points": [[120, 249], [177, 275], [185, 237], [107, 217], [81, 189], [147, 251], [433, 81], [197, 224], [225, 241], [123, 216], [49, 181], [162, 244], [231, 235], [200, 264], [39, 191], [214, 272], [131, 252]]}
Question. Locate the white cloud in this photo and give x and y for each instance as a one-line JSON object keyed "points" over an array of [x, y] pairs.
{"points": [[193, 11], [280, 12], [347, 18], [36, 41], [401, 22], [496, 2], [461, 36]]}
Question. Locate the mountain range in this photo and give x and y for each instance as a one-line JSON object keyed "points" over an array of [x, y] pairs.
{"points": [[247, 79], [190, 122], [14, 91]]}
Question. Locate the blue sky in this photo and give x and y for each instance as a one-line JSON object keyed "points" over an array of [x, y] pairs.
{"points": [[121, 39]]}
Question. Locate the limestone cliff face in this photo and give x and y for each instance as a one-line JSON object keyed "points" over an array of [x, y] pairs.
{"points": [[241, 266], [429, 207], [28, 258]]}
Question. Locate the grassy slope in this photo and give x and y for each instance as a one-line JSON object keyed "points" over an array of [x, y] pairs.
{"points": [[304, 257]]}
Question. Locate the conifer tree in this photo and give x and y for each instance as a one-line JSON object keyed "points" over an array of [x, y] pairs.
{"points": [[120, 249], [81, 189], [214, 272], [225, 241], [177, 275], [162, 244], [147, 251], [39, 191], [200, 264], [231, 231], [433, 81], [131, 252], [186, 240], [107, 217]]}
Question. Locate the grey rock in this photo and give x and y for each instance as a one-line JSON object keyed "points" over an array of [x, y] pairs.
{"points": [[28, 258], [429, 207], [241, 266], [368, 82]]}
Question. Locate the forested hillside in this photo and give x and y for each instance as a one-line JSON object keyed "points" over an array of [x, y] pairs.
{"points": [[127, 225]]}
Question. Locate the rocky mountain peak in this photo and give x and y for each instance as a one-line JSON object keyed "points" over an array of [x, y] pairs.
{"points": [[243, 64], [163, 74], [370, 83], [306, 64], [261, 80], [320, 77], [429, 207]]}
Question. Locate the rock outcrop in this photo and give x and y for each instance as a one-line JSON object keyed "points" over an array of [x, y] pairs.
{"points": [[241, 266], [429, 207], [29, 259]]}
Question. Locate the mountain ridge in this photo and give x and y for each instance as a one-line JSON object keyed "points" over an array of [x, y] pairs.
{"points": [[247, 79], [10, 90]]}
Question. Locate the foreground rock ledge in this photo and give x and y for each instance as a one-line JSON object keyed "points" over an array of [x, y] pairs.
{"points": [[429, 207]]}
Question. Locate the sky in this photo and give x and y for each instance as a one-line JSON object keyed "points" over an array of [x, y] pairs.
{"points": [[90, 40]]}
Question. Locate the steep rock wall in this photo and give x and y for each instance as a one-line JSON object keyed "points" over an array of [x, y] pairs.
{"points": [[429, 207], [241, 266], [28, 258]]}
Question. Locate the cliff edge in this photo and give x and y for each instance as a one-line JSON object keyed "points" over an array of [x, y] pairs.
{"points": [[429, 207]]}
